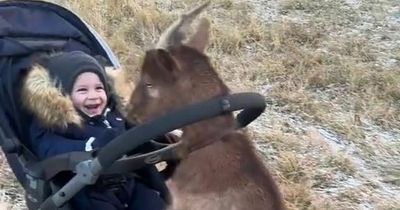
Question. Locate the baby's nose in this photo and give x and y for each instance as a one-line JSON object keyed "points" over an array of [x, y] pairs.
{"points": [[93, 95]]}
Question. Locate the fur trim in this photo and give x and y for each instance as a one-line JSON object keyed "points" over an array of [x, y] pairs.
{"points": [[122, 86], [41, 97]]}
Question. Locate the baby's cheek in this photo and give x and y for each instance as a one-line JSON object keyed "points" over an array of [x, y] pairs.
{"points": [[105, 98], [78, 102]]}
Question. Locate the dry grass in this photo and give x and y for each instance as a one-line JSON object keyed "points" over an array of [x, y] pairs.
{"points": [[11, 196], [326, 66]]}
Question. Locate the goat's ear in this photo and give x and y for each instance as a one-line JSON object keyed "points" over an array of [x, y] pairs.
{"points": [[160, 65], [165, 61], [199, 40]]}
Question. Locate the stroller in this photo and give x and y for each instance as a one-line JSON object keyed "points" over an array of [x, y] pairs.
{"points": [[30, 27]]}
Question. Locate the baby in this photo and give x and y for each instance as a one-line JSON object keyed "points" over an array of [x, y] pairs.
{"points": [[74, 109]]}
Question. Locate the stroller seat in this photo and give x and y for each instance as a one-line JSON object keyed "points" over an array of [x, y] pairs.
{"points": [[26, 29]]}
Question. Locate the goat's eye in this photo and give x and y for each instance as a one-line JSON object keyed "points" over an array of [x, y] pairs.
{"points": [[148, 85]]}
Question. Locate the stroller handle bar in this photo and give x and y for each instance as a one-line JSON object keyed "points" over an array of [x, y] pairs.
{"points": [[251, 104]]}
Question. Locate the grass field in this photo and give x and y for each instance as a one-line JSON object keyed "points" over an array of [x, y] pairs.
{"points": [[329, 69]]}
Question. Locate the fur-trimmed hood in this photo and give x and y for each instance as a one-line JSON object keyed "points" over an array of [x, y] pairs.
{"points": [[46, 101]]}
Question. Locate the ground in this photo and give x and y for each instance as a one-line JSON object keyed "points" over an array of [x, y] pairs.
{"points": [[330, 73]]}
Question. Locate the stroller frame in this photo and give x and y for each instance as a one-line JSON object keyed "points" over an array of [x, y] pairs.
{"points": [[19, 45]]}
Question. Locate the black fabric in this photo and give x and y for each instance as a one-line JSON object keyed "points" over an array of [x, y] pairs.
{"points": [[33, 26], [11, 69], [65, 67], [108, 134], [130, 196], [153, 179], [28, 28]]}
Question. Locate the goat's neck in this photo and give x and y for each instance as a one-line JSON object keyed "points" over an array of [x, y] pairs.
{"points": [[208, 167], [209, 129]]}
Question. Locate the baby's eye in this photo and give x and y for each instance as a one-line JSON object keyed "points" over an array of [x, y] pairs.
{"points": [[100, 88], [81, 90]]}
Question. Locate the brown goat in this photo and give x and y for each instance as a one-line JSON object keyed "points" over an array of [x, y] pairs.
{"points": [[226, 174]]}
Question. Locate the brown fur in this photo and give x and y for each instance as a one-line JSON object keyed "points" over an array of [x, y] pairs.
{"points": [[227, 174], [46, 101], [121, 84]]}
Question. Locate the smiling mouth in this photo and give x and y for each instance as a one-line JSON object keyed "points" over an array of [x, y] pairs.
{"points": [[92, 106], [93, 109]]}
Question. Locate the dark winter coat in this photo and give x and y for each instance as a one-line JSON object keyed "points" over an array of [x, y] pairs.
{"points": [[47, 143], [59, 128]]}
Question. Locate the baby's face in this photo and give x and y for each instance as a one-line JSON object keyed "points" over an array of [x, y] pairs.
{"points": [[88, 94]]}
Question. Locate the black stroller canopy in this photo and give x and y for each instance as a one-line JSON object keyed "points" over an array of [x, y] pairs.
{"points": [[26, 28], [32, 26]]}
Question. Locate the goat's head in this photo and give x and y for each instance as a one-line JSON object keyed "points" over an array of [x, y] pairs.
{"points": [[177, 72]]}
